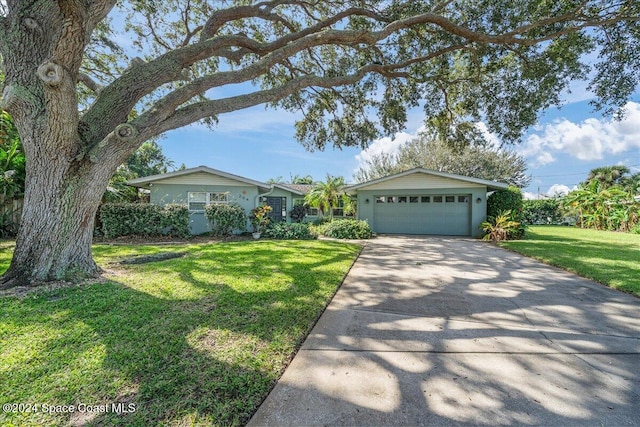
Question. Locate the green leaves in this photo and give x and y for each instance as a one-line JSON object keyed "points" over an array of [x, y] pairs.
{"points": [[225, 218], [143, 219], [466, 153]]}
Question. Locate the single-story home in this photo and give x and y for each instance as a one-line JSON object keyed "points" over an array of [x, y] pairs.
{"points": [[417, 201]]}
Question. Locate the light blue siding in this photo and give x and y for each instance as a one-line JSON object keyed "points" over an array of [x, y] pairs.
{"points": [[456, 218], [162, 194]]}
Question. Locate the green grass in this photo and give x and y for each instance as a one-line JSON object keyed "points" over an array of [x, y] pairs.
{"points": [[198, 340], [604, 256]]}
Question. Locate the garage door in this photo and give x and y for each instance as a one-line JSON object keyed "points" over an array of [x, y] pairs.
{"points": [[447, 215]]}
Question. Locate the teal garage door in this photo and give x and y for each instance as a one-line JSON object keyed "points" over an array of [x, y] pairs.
{"points": [[446, 214]]}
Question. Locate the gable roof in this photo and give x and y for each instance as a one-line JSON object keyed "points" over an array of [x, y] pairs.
{"points": [[300, 189], [491, 185], [147, 180]]}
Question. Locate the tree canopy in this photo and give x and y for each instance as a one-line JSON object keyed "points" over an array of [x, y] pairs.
{"points": [[83, 103], [477, 160]]}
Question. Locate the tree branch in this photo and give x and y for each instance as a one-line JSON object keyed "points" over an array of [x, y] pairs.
{"points": [[98, 10], [120, 97], [89, 83], [155, 35], [259, 10], [3, 27], [149, 126]]}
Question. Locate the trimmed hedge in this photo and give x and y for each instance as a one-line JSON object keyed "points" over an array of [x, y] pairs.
{"points": [[544, 211], [347, 229], [143, 219], [225, 218], [293, 231], [508, 200]]}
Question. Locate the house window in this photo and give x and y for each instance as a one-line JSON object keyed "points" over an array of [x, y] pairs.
{"points": [[402, 199], [426, 199], [437, 199], [198, 201], [310, 211], [339, 210], [391, 199], [463, 199], [450, 199], [413, 199], [380, 199]]}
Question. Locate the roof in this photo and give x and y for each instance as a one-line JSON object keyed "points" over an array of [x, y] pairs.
{"points": [[300, 189], [147, 180], [491, 185]]}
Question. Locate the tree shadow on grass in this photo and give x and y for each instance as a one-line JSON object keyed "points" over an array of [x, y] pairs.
{"points": [[208, 359]]}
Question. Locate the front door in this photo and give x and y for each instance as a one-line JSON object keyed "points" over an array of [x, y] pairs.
{"points": [[276, 204]]}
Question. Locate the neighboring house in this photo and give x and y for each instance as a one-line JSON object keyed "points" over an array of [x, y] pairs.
{"points": [[418, 201]]}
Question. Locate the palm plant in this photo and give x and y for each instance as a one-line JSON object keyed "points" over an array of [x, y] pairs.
{"points": [[325, 196], [499, 228]]}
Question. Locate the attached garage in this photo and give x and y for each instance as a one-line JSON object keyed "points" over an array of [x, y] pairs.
{"points": [[422, 201], [446, 214]]}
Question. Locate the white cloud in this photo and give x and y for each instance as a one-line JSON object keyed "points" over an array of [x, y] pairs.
{"points": [[558, 190], [553, 191], [591, 139], [491, 138], [386, 145]]}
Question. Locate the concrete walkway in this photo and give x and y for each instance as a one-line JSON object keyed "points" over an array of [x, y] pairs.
{"points": [[447, 331]]}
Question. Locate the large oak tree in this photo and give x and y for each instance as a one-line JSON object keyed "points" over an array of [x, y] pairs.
{"points": [[351, 67]]}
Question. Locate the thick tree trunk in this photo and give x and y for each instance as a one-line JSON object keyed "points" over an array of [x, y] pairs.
{"points": [[56, 232], [67, 170]]}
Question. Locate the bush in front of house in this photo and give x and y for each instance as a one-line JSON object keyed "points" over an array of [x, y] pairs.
{"points": [[347, 229], [224, 218], [292, 231], [298, 213], [509, 199], [500, 227], [143, 219]]}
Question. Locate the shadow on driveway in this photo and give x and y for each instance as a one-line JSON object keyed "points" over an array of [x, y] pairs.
{"points": [[449, 331]]}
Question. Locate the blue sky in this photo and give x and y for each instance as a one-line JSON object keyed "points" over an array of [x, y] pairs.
{"points": [[259, 143]]}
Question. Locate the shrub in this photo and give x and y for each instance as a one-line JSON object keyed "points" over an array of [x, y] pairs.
{"points": [[508, 200], [225, 218], [500, 227], [293, 231], [546, 211], [321, 220], [260, 217], [298, 213], [347, 229], [142, 219]]}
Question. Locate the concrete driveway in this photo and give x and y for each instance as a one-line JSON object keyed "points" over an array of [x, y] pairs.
{"points": [[448, 331]]}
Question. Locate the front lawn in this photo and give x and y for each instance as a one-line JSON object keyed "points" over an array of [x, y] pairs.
{"points": [[604, 256], [197, 340]]}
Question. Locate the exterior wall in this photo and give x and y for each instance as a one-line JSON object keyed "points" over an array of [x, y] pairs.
{"points": [[419, 181], [202, 178], [164, 193], [478, 210], [278, 192]]}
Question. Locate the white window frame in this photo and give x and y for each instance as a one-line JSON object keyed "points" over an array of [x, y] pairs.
{"points": [[210, 198], [310, 211]]}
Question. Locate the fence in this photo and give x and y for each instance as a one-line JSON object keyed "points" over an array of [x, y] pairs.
{"points": [[11, 212]]}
